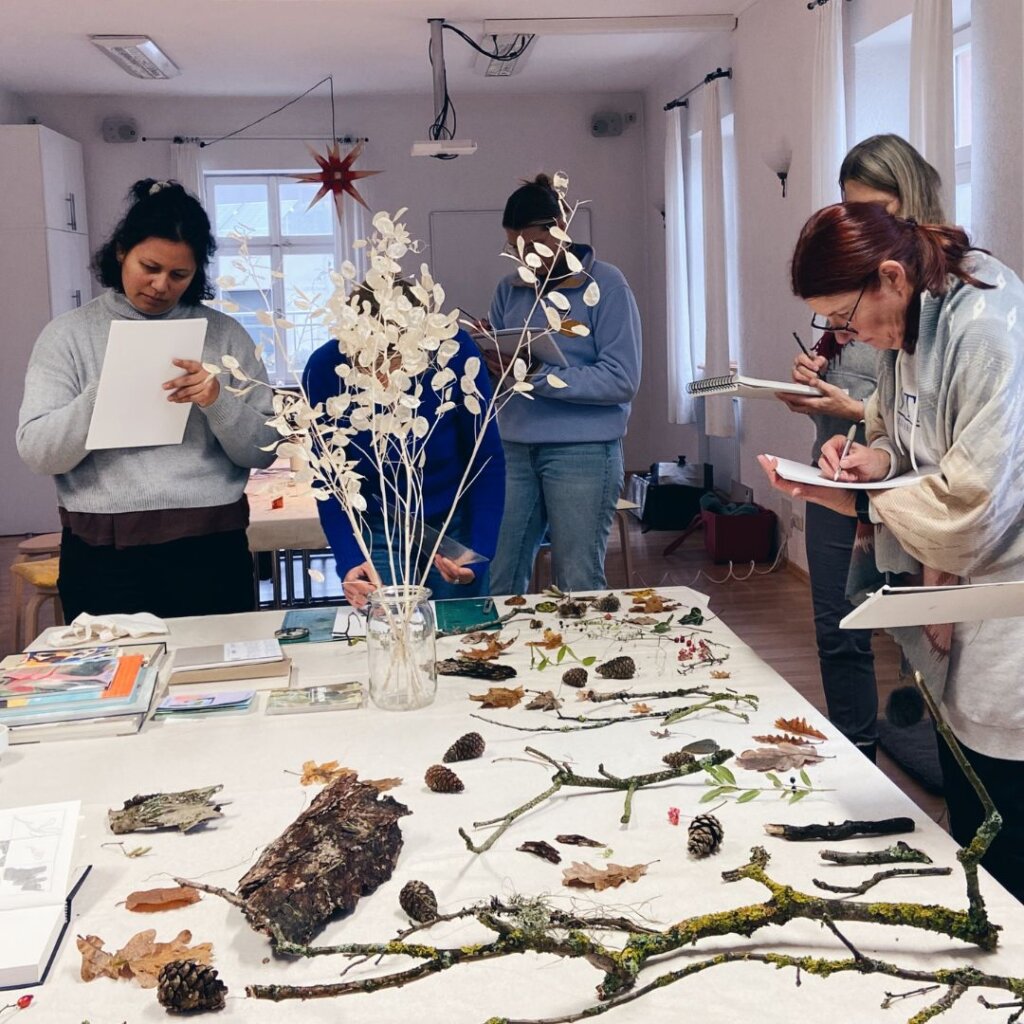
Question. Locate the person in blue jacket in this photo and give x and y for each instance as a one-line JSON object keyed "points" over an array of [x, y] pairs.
{"points": [[563, 449], [448, 449]]}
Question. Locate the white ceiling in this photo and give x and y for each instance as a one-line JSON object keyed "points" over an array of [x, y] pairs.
{"points": [[280, 47]]}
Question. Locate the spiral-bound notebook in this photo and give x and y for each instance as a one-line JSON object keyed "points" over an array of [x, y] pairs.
{"points": [[747, 387]]}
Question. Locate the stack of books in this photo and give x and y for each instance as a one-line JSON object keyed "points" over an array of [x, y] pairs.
{"points": [[62, 694]]}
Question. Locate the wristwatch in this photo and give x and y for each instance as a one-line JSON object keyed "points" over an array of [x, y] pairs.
{"points": [[863, 506]]}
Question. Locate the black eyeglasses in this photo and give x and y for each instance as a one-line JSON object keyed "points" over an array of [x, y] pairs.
{"points": [[822, 323]]}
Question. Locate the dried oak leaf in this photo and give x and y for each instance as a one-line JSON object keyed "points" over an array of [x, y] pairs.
{"points": [[382, 785], [314, 774], [147, 901], [640, 595], [574, 839], [783, 757], [541, 849], [784, 738], [643, 620], [141, 957], [800, 726], [585, 876], [720, 673], [478, 636], [515, 601], [550, 641], [545, 701], [489, 651], [653, 604], [640, 709], [499, 697]]}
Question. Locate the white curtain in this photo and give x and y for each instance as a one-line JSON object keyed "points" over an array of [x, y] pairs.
{"points": [[677, 332], [187, 167], [931, 90], [353, 226], [828, 106], [719, 418]]}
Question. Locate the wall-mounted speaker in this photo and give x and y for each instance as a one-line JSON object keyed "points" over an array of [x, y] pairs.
{"points": [[120, 129], [605, 124]]}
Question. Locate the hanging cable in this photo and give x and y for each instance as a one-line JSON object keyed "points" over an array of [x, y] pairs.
{"points": [[514, 53]]}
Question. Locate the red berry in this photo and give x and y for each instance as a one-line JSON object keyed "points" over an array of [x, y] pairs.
{"points": [[24, 1002]]}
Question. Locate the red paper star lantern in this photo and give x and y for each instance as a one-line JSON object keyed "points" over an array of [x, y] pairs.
{"points": [[336, 175]]}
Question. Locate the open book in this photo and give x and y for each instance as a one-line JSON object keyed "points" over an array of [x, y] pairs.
{"points": [[37, 884], [922, 606], [747, 387]]}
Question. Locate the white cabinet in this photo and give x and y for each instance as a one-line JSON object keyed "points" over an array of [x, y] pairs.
{"points": [[44, 271]]}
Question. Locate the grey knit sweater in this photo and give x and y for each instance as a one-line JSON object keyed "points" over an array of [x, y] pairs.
{"points": [[211, 465]]}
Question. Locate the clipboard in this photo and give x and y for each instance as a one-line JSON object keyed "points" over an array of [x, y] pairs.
{"points": [[131, 409], [891, 607], [798, 472], [537, 345]]}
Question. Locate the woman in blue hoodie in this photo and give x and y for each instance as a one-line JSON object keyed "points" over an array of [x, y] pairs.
{"points": [[563, 449]]}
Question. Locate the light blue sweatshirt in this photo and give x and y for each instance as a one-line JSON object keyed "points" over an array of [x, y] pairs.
{"points": [[604, 368]]}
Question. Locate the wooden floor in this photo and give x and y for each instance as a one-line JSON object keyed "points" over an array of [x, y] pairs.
{"points": [[770, 611]]}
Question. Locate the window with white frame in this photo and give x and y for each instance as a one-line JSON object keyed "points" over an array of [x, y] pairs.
{"points": [[695, 238], [291, 252], [962, 125]]}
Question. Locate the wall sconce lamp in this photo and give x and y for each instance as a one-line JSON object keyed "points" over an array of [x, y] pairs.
{"points": [[779, 159]]}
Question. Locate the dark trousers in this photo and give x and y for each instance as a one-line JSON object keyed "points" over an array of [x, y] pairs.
{"points": [[1004, 781], [209, 575], [845, 655]]}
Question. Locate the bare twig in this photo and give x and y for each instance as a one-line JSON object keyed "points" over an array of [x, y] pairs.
{"points": [[895, 997], [880, 876], [898, 853], [844, 830]]}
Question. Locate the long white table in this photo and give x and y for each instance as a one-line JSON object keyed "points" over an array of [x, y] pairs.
{"points": [[255, 756]]}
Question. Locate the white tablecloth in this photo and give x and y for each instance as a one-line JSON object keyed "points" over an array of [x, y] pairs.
{"points": [[255, 756]]}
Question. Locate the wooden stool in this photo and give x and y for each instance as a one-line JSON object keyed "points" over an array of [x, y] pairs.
{"points": [[44, 545], [41, 575]]}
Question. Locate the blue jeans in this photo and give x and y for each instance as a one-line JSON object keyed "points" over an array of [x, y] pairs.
{"points": [[440, 589], [568, 491], [845, 655]]}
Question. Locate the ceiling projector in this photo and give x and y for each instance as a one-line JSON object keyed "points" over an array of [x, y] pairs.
{"points": [[444, 149]]}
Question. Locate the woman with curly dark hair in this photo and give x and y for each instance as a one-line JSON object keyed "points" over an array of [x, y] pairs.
{"points": [[156, 528]]}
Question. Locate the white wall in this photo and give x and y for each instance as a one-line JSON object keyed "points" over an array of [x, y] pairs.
{"points": [[517, 138], [12, 110]]}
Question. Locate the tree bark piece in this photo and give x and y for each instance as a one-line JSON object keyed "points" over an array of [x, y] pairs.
{"points": [[342, 847], [184, 810], [844, 830]]}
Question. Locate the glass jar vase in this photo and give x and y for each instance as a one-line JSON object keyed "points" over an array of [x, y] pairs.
{"points": [[401, 641]]}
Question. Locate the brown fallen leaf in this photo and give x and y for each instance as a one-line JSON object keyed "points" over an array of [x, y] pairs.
{"points": [[499, 697], [783, 757], [147, 901], [663, 734], [549, 641], [491, 649], [720, 673], [585, 876], [640, 595], [478, 636], [545, 701], [141, 957], [314, 774], [643, 620], [516, 601], [382, 785], [574, 839], [541, 849], [785, 738], [800, 726], [640, 709]]}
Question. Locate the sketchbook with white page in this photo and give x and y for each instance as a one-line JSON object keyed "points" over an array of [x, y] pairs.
{"points": [[800, 473], [132, 410], [738, 386], [36, 886], [923, 606]]}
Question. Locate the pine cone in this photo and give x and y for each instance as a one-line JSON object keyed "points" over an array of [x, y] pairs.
{"points": [[187, 987], [465, 748], [679, 758], [575, 677], [622, 667], [443, 780], [705, 835], [571, 610], [417, 899], [608, 603]]}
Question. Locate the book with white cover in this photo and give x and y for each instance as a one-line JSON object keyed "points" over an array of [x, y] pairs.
{"points": [[36, 886], [242, 652], [801, 473], [738, 386], [923, 606]]}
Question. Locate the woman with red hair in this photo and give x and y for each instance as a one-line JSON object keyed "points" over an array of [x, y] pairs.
{"points": [[948, 321]]}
